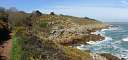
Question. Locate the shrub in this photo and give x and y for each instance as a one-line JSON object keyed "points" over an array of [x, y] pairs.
{"points": [[36, 13], [52, 13], [43, 24], [18, 19]]}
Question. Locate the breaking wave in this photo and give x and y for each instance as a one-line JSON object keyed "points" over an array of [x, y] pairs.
{"points": [[114, 42], [125, 39]]}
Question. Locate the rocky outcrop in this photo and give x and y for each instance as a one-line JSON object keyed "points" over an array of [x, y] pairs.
{"points": [[75, 35], [109, 56], [97, 57]]}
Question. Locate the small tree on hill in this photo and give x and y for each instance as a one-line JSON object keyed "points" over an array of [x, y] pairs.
{"points": [[86, 18], [37, 13], [52, 13]]}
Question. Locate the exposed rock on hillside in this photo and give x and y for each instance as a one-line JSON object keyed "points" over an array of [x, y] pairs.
{"points": [[110, 57], [67, 30]]}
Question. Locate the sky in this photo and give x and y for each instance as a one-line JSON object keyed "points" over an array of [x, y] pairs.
{"points": [[103, 10]]}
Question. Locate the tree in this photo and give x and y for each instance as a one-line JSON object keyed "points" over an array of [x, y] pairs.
{"points": [[52, 13], [36, 13], [86, 18]]}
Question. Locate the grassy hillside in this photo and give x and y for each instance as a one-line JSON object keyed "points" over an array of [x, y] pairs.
{"points": [[64, 29], [50, 36]]}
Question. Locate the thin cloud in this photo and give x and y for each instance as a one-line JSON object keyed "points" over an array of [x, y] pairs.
{"points": [[124, 2]]}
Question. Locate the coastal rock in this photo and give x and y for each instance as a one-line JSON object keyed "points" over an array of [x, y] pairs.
{"points": [[79, 39], [78, 34], [97, 57], [109, 56]]}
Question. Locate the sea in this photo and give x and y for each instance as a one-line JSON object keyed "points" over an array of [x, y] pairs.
{"points": [[115, 42]]}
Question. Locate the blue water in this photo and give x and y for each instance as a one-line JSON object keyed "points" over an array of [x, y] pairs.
{"points": [[116, 42]]}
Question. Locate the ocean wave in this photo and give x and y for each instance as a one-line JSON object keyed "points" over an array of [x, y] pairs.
{"points": [[115, 28], [112, 43], [125, 39], [102, 33], [117, 42], [107, 39], [108, 45], [104, 30]]}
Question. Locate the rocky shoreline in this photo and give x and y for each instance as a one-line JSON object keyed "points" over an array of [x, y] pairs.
{"points": [[110, 57], [93, 37], [102, 56], [74, 34]]}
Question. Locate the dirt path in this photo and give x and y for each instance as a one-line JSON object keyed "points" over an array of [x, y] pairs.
{"points": [[5, 50]]}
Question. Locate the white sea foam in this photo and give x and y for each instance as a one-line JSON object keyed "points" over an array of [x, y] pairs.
{"points": [[125, 39], [105, 29], [81, 47], [99, 42], [114, 28], [91, 42], [107, 38], [102, 33]]}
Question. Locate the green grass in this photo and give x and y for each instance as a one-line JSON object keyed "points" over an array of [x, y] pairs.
{"points": [[76, 54], [43, 24], [16, 49]]}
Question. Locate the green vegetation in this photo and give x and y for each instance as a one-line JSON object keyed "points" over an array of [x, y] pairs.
{"points": [[17, 49], [75, 54], [43, 24], [18, 39]]}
